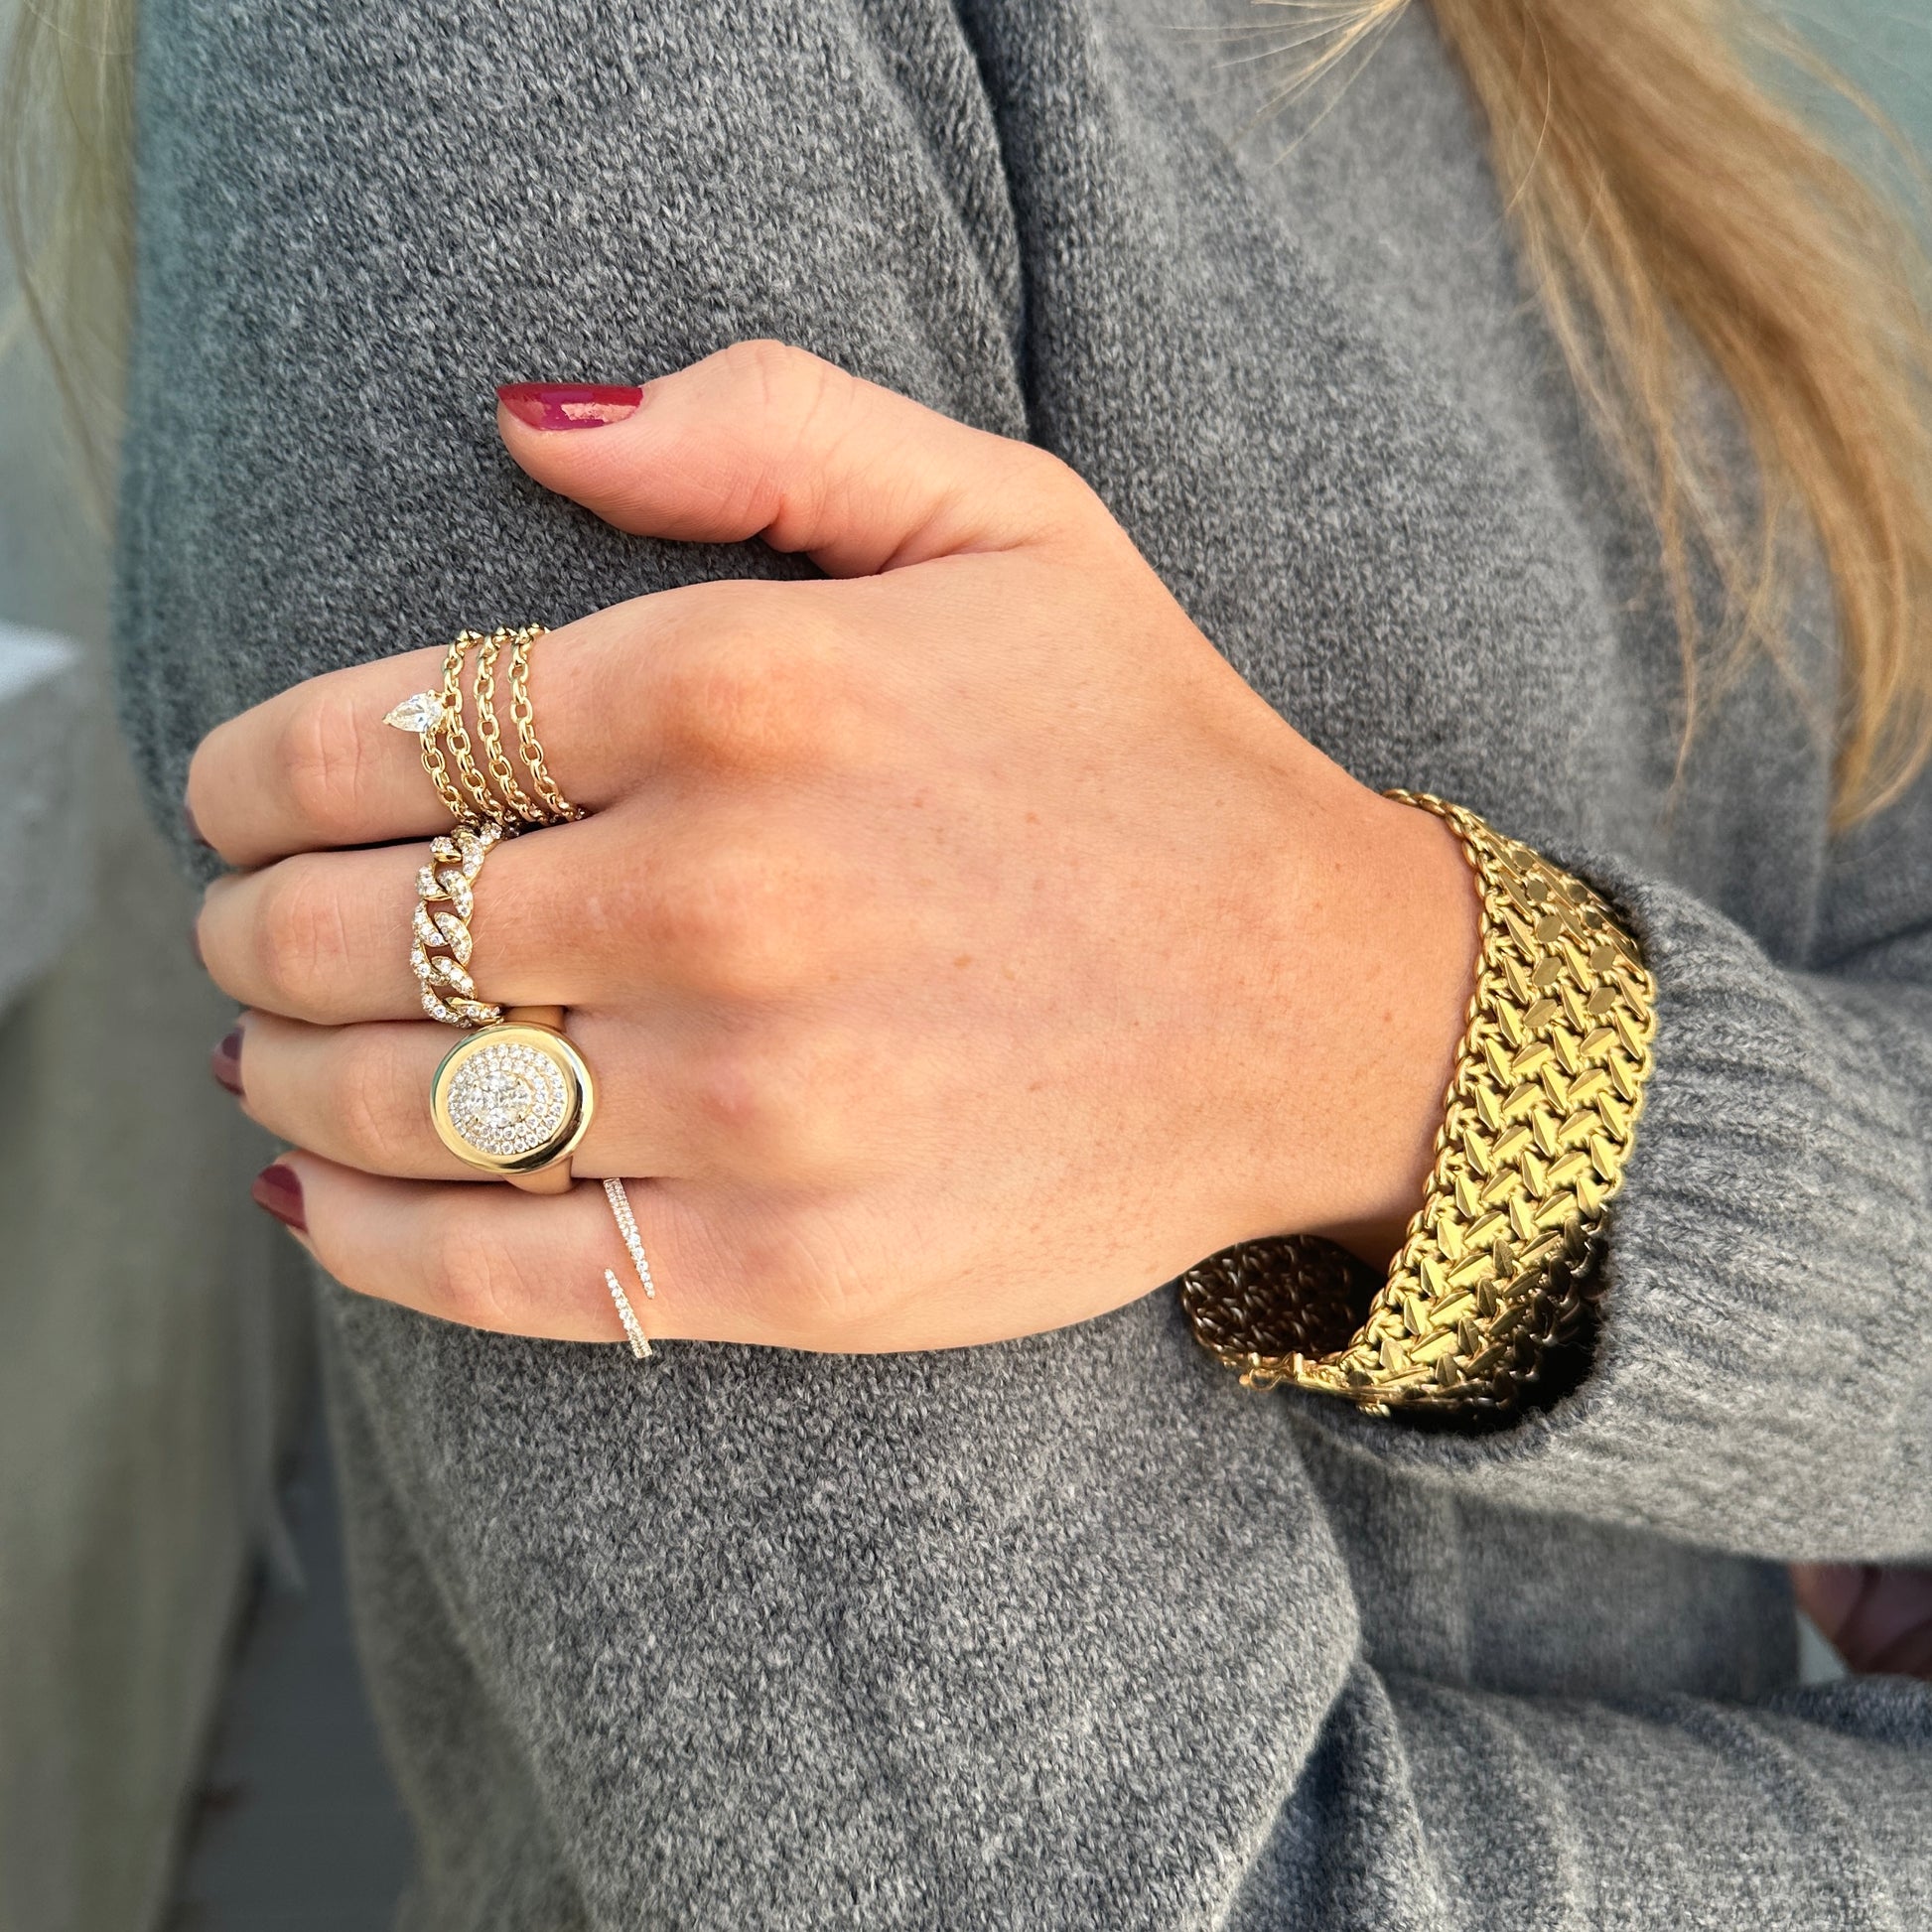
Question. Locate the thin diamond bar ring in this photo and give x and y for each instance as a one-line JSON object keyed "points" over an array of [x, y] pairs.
{"points": [[633, 1245]]}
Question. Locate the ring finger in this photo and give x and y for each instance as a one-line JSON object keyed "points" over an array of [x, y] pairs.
{"points": [[360, 1096]]}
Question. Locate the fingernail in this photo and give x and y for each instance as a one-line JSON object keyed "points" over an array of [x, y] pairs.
{"points": [[226, 1063], [568, 405], [279, 1189], [193, 830]]}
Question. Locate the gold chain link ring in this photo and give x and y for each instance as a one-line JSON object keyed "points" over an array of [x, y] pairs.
{"points": [[486, 811], [427, 714], [491, 732], [435, 717], [1542, 1110], [440, 943], [522, 711]]}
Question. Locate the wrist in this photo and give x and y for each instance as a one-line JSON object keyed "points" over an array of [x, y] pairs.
{"points": [[1496, 1269], [1388, 917]]}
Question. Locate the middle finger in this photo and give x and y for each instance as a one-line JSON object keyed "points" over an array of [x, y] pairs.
{"points": [[670, 893], [325, 936]]}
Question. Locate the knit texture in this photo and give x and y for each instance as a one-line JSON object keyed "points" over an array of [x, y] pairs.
{"points": [[1074, 1632]]}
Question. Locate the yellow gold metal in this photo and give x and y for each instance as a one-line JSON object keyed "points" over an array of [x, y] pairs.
{"points": [[513, 1100], [440, 943], [560, 808], [432, 715], [1542, 1110], [556, 1179], [437, 717], [488, 729], [485, 810]]}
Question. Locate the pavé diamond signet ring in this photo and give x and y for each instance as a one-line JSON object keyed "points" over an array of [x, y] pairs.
{"points": [[515, 1099]]}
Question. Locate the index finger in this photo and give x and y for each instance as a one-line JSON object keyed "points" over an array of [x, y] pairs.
{"points": [[740, 673], [317, 767]]}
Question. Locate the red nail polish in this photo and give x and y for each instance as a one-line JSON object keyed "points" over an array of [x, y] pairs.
{"points": [[225, 1061], [279, 1189], [569, 405]]}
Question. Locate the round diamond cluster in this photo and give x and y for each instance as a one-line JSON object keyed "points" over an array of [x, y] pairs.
{"points": [[508, 1099]]}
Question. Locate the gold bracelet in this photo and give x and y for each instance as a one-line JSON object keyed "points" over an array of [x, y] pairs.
{"points": [[1496, 1270]]}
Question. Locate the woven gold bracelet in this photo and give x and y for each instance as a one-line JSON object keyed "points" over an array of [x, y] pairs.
{"points": [[1495, 1269]]}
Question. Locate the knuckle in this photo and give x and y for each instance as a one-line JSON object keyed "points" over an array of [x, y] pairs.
{"points": [[755, 1097], [797, 399], [733, 919], [807, 1283], [443, 1257], [300, 940], [757, 696], [1064, 496], [324, 760], [377, 1117], [781, 378]]}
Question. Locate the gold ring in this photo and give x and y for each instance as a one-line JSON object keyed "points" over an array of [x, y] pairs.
{"points": [[474, 799], [439, 935], [514, 1100], [433, 715], [523, 715]]}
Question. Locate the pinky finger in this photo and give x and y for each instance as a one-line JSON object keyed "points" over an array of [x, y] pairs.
{"points": [[492, 1257]]}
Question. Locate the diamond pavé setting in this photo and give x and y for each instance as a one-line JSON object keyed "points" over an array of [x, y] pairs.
{"points": [[507, 1099]]}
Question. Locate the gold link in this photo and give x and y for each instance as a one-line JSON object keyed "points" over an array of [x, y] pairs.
{"points": [[491, 733], [523, 714], [485, 810], [459, 807], [476, 800], [1543, 1107]]}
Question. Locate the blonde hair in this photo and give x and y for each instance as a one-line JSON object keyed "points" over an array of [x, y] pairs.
{"points": [[67, 208], [1673, 213]]}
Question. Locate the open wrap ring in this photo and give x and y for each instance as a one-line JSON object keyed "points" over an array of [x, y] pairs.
{"points": [[515, 1099]]}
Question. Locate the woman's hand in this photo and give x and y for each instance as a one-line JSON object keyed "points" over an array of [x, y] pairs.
{"points": [[961, 948], [1878, 1618]]}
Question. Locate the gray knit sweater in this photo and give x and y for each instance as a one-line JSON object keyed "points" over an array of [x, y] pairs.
{"points": [[1074, 1632]]}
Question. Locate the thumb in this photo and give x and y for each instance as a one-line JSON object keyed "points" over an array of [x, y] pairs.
{"points": [[764, 440]]}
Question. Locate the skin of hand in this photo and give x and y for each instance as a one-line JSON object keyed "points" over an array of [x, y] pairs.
{"points": [[1876, 1619], [961, 948]]}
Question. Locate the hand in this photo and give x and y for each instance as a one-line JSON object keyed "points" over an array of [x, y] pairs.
{"points": [[961, 948], [1876, 1619]]}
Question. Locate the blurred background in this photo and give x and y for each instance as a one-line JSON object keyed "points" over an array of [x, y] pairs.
{"points": [[182, 1738]]}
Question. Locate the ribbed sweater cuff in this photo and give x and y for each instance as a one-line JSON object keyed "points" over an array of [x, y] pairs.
{"points": [[1762, 1378]]}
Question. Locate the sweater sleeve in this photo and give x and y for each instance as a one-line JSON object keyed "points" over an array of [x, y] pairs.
{"points": [[1762, 1379], [1427, 1807], [1050, 1634], [355, 220]]}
